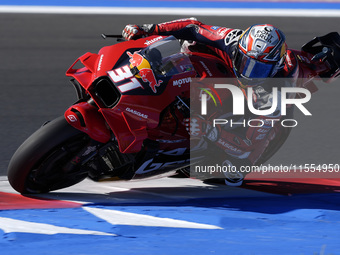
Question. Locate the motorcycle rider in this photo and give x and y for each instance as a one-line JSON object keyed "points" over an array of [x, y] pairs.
{"points": [[258, 52], [255, 54]]}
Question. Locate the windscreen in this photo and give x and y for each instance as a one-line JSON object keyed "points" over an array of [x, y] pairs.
{"points": [[166, 57]]}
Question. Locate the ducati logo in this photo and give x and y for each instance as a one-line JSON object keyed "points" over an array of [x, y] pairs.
{"points": [[72, 118]]}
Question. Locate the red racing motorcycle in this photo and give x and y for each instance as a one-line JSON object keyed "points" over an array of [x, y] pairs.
{"points": [[132, 114]]}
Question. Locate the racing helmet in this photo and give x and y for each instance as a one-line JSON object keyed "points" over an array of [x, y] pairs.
{"points": [[260, 53]]}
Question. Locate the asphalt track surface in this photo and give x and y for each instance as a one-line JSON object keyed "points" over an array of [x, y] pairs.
{"points": [[36, 50]]}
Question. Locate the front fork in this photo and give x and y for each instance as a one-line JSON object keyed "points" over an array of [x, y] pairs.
{"points": [[101, 158]]}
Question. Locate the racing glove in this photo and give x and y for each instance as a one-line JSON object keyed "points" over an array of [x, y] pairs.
{"points": [[132, 32]]}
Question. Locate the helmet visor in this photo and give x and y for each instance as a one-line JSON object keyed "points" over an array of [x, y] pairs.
{"points": [[250, 68]]}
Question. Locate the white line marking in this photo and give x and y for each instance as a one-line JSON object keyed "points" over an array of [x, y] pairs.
{"points": [[126, 218], [172, 11], [11, 225]]}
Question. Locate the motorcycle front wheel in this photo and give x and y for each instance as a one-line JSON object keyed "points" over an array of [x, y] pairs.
{"points": [[45, 161]]}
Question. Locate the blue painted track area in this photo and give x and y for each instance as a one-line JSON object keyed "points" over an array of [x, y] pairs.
{"points": [[175, 216], [181, 4], [297, 8]]}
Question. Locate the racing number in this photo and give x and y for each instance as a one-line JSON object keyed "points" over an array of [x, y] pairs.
{"points": [[122, 73]]}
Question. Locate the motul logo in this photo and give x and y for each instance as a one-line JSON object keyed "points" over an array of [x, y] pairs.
{"points": [[180, 82]]}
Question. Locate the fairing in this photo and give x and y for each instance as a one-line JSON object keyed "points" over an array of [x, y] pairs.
{"points": [[141, 97]]}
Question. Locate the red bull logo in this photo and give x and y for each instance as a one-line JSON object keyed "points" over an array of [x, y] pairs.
{"points": [[144, 68], [135, 59], [148, 76]]}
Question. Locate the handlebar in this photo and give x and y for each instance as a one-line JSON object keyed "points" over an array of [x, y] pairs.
{"points": [[119, 37], [327, 49]]}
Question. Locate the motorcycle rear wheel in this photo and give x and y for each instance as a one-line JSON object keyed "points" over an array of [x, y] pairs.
{"points": [[38, 165]]}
